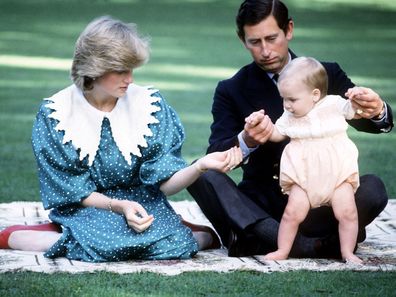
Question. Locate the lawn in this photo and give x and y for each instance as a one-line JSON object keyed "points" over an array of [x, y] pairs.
{"points": [[194, 45]]}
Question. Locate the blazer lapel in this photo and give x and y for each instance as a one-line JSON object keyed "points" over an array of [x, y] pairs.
{"points": [[262, 92]]}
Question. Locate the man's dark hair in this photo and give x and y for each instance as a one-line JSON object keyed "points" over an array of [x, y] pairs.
{"points": [[252, 12]]}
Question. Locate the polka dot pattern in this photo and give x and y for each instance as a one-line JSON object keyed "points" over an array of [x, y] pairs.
{"points": [[97, 235]]}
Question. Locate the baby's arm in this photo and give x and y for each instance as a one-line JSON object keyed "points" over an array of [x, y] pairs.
{"points": [[276, 136], [348, 109]]}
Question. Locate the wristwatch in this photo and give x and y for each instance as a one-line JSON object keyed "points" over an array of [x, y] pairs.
{"points": [[382, 113]]}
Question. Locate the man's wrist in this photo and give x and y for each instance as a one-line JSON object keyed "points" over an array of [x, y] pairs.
{"points": [[382, 113], [248, 143], [244, 147]]}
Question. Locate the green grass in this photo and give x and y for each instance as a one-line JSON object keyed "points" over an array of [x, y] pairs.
{"points": [[194, 45], [294, 284]]}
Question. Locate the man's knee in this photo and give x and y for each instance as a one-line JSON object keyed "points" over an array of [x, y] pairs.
{"points": [[372, 192], [211, 180], [210, 186], [216, 177]]}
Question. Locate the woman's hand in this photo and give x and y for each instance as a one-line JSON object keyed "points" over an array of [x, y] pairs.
{"points": [[220, 161], [136, 216]]}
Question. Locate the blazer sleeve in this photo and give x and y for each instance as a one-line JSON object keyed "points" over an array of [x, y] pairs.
{"points": [[339, 83], [225, 127]]}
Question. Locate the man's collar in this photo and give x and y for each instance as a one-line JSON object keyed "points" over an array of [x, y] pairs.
{"points": [[291, 56]]}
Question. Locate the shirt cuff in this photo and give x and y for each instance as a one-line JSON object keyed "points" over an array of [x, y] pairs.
{"points": [[384, 117], [246, 151]]}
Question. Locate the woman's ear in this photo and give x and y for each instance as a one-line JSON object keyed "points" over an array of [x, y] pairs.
{"points": [[316, 94]]}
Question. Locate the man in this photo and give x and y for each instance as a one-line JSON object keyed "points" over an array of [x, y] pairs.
{"points": [[247, 215]]}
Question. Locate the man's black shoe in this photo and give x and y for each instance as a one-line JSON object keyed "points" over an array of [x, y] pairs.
{"points": [[328, 247], [244, 245], [234, 248]]}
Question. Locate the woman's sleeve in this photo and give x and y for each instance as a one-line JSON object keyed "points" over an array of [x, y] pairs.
{"points": [[63, 178], [162, 157]]}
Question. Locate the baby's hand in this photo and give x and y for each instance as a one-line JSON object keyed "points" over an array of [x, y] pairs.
{"points": [[365, 101], [255, 118], [354, 93], [257, 129]]}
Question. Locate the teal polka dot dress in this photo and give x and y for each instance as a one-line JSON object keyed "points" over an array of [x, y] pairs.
{"points": [[68, 173]]}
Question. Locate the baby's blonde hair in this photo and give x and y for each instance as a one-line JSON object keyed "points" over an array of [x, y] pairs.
{"points": [[310, 71], [107, 45]]}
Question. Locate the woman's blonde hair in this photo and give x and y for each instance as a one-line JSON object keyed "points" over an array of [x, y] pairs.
{"points": [[309, 70], [107, 45]]}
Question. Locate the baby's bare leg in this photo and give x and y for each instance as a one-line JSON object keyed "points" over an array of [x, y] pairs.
{"points": [[295, 212], [344, 208]]}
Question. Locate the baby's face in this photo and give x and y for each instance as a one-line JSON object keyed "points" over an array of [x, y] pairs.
{"points": [[298, 99]]}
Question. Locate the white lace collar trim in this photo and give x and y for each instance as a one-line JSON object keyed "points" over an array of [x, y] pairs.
{"points": [[82, 123]]}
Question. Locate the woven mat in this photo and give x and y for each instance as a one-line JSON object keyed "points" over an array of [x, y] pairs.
{"points": [[378, 251]]}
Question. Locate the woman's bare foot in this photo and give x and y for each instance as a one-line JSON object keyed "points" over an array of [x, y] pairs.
{"points": [[204, 239], [205, 236]]}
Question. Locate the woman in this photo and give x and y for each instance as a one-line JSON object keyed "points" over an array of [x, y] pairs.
{"points": [[108, 153]]}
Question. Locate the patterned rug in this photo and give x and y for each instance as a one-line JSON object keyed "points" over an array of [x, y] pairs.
{"points": [[378, 251]]}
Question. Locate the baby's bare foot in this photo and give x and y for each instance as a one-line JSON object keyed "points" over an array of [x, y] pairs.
{"points": [[353, 259], [277, 255]]}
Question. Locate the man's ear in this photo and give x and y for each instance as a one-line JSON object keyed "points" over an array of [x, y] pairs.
{"points": [[290, 28], [316, 94]]}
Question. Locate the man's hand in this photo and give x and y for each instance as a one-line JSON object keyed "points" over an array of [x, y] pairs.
{"points": [[258, 128], [366, 102]]}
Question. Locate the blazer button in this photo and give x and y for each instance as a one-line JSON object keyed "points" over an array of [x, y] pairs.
{"points": [[275, 176]]}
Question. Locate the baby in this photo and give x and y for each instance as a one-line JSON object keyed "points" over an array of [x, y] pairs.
{"points": [[319, 166]]}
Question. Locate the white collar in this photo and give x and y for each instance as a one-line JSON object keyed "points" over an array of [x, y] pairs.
{"points": [[82, 123]]}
